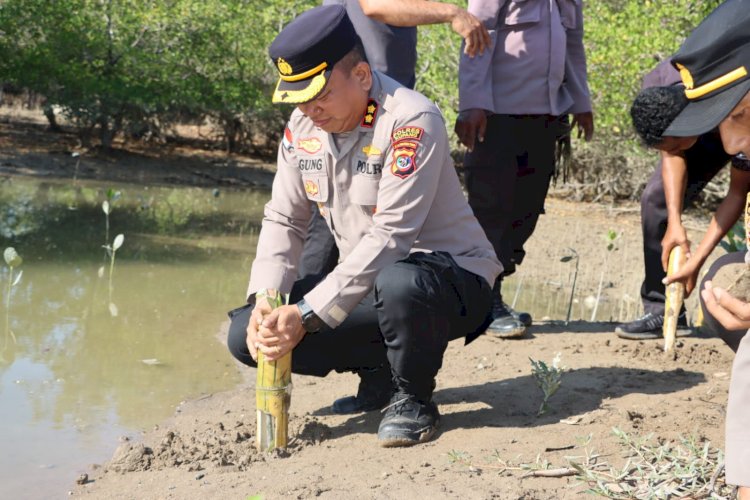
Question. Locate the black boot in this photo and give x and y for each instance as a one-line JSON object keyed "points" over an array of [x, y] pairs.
{"points": [[374, 392], [408, 420], [506, 323]]}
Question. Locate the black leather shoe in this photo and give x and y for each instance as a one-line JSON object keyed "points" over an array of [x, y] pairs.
{"points": [[524, 317], [505, 324], [649, 326], [375, 389], [408, 421]]}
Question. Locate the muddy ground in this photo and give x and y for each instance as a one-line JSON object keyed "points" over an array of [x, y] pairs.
{"points": [[490, 434]]}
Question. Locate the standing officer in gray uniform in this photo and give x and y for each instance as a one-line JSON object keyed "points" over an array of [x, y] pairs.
{"points": [[415, 267], [714, 65], [513, 102], [389, 35]]}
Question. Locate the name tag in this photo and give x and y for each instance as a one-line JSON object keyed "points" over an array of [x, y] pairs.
{"points": [[310, 164]]}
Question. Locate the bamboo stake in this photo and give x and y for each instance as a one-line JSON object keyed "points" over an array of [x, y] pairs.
{"points": [[675, 296], [273, 396]]}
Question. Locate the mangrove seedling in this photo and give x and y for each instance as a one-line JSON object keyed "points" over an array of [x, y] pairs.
{"points": [[273, 387], [13, 260], [610, 240], [112, 197], [112, 250], [548, 378], [567, 258]]}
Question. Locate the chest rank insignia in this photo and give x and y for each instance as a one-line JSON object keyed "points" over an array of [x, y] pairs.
{"points": [[311, 187], [311, 145], [371, 112], [284, 67], [404, 159]]}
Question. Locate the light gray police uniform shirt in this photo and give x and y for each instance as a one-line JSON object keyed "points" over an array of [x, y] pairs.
{"points": [[536, 63], [387, 190]]}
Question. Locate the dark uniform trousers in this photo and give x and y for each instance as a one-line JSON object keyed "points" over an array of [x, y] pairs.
{"points": [[704, 160], [507, 178], [737, 419], [416, 307], [320, 253]]}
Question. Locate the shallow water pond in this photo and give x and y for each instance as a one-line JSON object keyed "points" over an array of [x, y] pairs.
{"points": [[89, 358]]}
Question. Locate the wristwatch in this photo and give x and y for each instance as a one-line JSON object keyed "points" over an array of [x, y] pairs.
{"points": [[311, 322]]}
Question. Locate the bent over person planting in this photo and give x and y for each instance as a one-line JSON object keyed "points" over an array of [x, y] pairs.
{"points": [[415, 267]]}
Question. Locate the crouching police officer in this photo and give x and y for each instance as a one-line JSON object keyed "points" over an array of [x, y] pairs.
{"points": [[415, 265]]}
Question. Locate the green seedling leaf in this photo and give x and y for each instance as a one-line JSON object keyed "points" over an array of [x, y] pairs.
{"points": [[105, 207], [12, 258], [567, 258], [18, 278], [113, 195], [119, 239]]}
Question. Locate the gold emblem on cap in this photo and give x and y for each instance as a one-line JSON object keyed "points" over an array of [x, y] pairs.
{"points": [[284, 67], [687, 78]]}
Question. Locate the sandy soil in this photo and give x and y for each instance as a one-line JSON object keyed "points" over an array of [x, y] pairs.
{"points": [[486, 393]]}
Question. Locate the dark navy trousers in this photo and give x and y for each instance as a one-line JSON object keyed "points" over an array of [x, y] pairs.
{"points": [[416, 307], [507, 178]]}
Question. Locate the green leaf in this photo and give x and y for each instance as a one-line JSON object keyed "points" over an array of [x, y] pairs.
{"points": [[119, 239], [12, 258]]}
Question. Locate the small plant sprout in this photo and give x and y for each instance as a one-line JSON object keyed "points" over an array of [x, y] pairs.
{"points": [[548, 378], [112, 250], [567, 258], [112, 197], [13, 260], [610, 239]]}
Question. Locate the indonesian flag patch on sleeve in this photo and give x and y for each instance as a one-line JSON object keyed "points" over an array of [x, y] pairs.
{"points": [[288, 141], [404, 159]]}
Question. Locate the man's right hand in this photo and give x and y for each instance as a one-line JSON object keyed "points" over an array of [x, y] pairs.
{"points": [[262, 307], [471, 126], [674, 237]]}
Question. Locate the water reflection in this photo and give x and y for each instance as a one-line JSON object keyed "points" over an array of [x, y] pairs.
{"points": [[76, 374]]}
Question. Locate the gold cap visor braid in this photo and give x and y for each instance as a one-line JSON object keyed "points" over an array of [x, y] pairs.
{"points": [[288, 95]]}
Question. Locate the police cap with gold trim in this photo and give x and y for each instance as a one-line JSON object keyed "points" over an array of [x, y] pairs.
{"points": [[306, 50], [714, 64]]}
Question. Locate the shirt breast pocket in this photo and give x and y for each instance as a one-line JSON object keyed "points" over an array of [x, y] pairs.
{"points": [[568, 13], [523, 12], [364, 190], [316, 186], [366, 174]]}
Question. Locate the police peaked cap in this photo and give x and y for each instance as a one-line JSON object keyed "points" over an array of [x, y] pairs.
{"points": [[714, 64], [306, 50]]}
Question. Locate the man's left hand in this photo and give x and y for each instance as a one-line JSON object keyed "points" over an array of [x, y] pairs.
{"points": [[732, 313], [584, 123], [280, 332]]}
